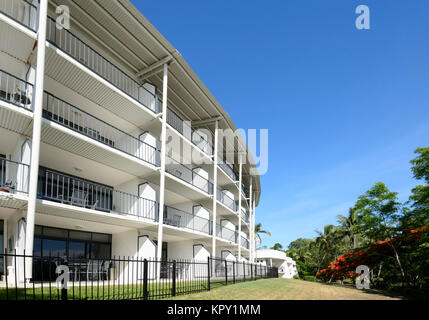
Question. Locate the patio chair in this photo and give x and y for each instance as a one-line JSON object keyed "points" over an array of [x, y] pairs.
{"points": [[104, 270], [93, 270], [79, 198]]}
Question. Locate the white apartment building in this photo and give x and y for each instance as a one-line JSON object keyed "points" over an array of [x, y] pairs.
{"points": [[110, 145], [275, 258]]}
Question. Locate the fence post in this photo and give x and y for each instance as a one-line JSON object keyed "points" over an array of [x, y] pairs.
{"points": [[208, 273], [173, 287], [226, 273], [145, 265], [233, 272], [63, 289], [244, 271]]}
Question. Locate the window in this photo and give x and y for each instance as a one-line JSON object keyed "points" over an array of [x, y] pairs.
{"points": [[73, 244]]}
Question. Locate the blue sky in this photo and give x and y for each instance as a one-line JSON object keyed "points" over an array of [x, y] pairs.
{"points": [[345, 108]]}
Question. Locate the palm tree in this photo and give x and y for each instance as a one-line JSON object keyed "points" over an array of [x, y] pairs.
{"points": [[277, 246], [349, 226], [324, 242], [259, 231]]}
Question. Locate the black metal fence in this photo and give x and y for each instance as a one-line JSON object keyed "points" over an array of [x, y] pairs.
{"points": [[123, 278]]}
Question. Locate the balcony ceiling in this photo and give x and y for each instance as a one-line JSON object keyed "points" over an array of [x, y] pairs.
{"points": [[134, 42]]}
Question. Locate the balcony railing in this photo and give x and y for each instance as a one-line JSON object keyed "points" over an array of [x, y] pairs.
{"points": [[15, 90], [14, 176], [244, 242], [181, 219], [177, 123], [85, 54], [188, 175], [245, 217], [226, 200], [69, 116], [225, 233], [243, 191], [227, 168], [65, 189], [21, 11]]}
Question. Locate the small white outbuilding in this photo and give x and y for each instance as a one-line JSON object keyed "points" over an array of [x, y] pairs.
{"points": [[276, 258]]}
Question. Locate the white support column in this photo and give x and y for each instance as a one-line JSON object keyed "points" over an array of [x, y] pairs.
{"points": [[240, 196], [253, 228], [162, 168], [215, 163], [37, 126], [250, 220]]}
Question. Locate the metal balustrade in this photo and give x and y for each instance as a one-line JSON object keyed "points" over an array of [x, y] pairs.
{"points": [[227, 168], [14, 176], [244, 242], [21, 11], [177, 123], [243, 191], [76, 48], [225, 233], [182, 219], [226, 200], [62, 188], [15, 91], [188, 175], [245, 217], [61, 112]]}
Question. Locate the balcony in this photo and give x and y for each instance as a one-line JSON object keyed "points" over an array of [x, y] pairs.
{"points": [[65, 189], [77, 65], [18, 26], [244, 217], [15, 91], [14, 181], [181, 219], [178, 124], [225, 233], [227, 168], [226, 200], [71, 117], [244, 242], [20, 11], [14, 176], [188, 175], [15, 103]]}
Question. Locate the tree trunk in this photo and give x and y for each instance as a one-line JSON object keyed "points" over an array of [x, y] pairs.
{"points": [[399, 264], [318, 267]]}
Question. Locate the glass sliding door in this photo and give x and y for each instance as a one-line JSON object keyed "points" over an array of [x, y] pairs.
{"points": [[78, 247]]}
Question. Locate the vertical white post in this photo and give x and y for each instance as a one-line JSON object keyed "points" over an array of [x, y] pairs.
{"points": [[253, 228], [215, 163], [162, 168], [37, 126], [240, 196], [250, 220]]}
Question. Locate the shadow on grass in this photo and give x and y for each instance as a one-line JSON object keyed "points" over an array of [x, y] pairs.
{"points": [[399, 293]]}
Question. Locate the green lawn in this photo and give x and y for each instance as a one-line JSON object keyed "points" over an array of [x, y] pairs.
{"points": [[106, 292], [286, 289], [262, 289]]}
